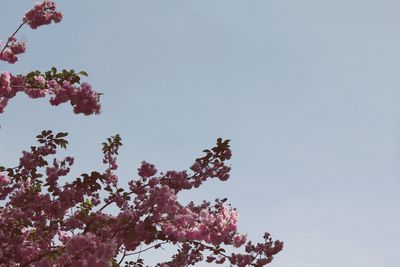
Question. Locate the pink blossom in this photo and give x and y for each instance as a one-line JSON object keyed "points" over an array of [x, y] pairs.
{"points": [[13, 48], [147, 170], [4, 180], [82, 97], [42, 14], [8, 55]]}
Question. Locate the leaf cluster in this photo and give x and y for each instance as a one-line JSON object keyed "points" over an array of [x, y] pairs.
{"points": [[64, 75], [217, 152], [112, 145], [89, 182], [47, 137]]}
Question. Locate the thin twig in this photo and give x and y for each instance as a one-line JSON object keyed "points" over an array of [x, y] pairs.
{"points": [[123, 257], [138, 257], [159, 244], [12, 36]]}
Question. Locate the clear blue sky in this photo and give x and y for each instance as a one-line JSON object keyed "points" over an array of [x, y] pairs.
{"points": [[308, 91]]}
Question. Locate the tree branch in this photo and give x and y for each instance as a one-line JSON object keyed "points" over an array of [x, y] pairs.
{"points": [[12, 36]]}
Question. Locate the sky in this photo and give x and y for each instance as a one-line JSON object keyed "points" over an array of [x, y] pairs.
{"points": [[308, 92]]}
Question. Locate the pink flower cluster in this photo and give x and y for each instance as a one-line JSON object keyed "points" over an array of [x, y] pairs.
{"points": [[150, 214], [216, 225], [82, 97], [10, 52], [110, 152], [42, 14], [213, 227]]}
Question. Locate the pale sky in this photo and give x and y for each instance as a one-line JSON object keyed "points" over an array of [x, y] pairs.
{"points": [[308, 92]]}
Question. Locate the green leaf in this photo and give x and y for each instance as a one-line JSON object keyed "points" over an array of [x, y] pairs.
{"points": [[83, 73], [61, 134]]}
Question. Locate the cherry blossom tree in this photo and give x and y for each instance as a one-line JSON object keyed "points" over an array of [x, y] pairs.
{"points": [[44, 222]]}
